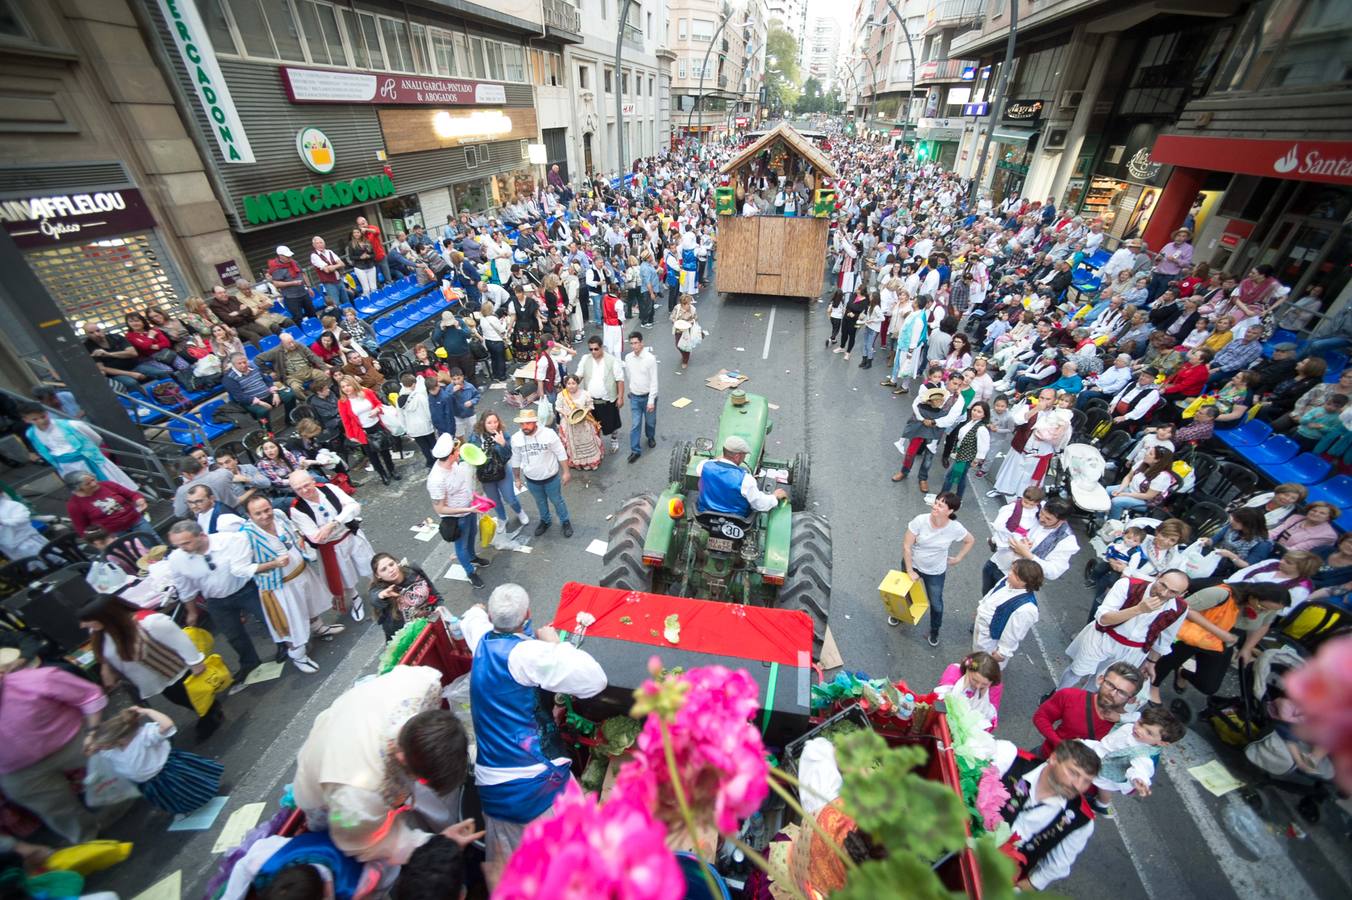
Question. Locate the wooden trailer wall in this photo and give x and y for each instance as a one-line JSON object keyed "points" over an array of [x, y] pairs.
{"points": [[771, 255]]}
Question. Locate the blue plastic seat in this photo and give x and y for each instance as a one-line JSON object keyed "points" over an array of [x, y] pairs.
{"points": [[311, 328], [296, 332], [1248, 434], [1274, 451], [140, 412], [1336, 362], [1337, 490], [268, 341], [1306, 469], [250, 351]]}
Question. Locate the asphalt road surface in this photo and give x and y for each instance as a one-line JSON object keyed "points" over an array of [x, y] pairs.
{"points": [[1175, 843]]}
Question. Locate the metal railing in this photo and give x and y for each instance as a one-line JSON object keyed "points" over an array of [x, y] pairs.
{"points": [[937, 70], [633, 38], [951, 12], [562, 14]]}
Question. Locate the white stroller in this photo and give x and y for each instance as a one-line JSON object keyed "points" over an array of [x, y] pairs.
{"points": [[1079, 474]]}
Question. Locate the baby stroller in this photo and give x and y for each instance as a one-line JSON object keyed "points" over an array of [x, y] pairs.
{"points": [[1077, 472], [1261, 719]]}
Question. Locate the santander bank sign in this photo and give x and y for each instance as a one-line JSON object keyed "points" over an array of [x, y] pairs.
{"points": [[1325, 161]]}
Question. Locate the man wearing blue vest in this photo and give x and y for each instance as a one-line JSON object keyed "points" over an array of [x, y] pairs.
{"points": [[521, 764], [725, 487]]}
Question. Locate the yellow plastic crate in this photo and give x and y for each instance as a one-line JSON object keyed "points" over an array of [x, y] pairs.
{"points": [[903, 598]]}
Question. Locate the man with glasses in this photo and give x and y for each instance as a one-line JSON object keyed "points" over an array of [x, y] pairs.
{"points": [[211, 514], [1136, 623], [602, 376], [1076, 714], [220, 569]]}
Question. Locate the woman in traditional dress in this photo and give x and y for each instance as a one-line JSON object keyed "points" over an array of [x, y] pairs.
{"points": [[525, 320], [291, 590], [685, 327], [578, 428], [70, 446]]}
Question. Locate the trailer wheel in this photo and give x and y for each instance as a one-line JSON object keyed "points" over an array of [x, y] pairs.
{"points": [[800, 475], [623, 566], [680, 461], [807, 586]]}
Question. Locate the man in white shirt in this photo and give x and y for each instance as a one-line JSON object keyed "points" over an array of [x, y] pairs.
{"points": [[520, 767], [1136, 623], [1122, 260], [328, 268], [640, 376], [540, 463], [602, 377], [1008, 612], [726, 487], [210, 513], [1133, 403], [1046, 809], [1108, 382], [1044, 537], [220, 568]]}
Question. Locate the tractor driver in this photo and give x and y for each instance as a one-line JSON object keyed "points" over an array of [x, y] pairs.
{"points": [[726, 487]]}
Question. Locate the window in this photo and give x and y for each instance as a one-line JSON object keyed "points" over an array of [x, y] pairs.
{"points": [[680, 68], [702, 30], [476, 57], [1315, 50], [624, 83], [583, 78], [398, 49], [472, 196], [471, 158], [483, 154], [319, 21], [494, 53], [555, 69], [682, 29], [514, 62], [267, 29], [213, 16], [652, 92], [610, 81], [443, 52], [284, 32], [648, 29], [603, 9], [461, 44], [368, 33], [421, 61]]}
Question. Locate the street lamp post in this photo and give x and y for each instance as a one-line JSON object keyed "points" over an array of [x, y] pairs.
{"points": [[619, 95]]}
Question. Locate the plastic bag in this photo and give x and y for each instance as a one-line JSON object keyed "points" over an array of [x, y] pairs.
{"points": [[207, 366], [1196, 562], [104, 787], [544, 410], [214, 679], [392, 417]]}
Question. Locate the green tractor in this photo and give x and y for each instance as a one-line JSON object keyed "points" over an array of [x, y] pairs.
{"points": [[780, 558]]}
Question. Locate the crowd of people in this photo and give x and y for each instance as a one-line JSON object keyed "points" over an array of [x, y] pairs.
{"points": [[974, 313]]}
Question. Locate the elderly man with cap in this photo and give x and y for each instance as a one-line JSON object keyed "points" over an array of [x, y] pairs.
{"points": [[450, 484], [521, 765], [331, 522], [285, 274], [293, 364], [725, 486], [540, 462], [44, 711]]}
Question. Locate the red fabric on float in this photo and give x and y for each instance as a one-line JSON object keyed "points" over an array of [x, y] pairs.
{"points": [[722, 629]]}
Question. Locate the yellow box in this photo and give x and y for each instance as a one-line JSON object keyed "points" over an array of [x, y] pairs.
{"points": [[904, 599]]}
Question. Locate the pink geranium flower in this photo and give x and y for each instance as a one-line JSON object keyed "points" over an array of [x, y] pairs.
{"points": [[720, 759], [616, 851], [991, 796], [1322, 688]]}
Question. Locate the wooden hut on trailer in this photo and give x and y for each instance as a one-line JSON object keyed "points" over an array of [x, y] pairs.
{"points": [[771, 253]]}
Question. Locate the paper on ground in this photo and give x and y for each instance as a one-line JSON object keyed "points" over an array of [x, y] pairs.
{"points": [[238, 825], [456, 573], [598, 547], [1215, 777], [265, 672], [201, 819], [497, 385], [681, 403], [427, 535], [170, 887]]}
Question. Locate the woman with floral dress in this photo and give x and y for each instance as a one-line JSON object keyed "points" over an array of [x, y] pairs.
{"points": [[577, 426]]}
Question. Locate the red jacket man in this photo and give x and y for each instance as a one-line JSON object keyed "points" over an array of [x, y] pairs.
{"points": [[1074, 713]]}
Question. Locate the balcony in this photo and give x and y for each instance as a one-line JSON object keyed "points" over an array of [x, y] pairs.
{"points": [[946, 13], [563, 21], [943, 71], [633, 38]]}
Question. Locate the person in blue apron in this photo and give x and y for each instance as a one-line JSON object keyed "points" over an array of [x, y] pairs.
{"points": [[521, 765]]}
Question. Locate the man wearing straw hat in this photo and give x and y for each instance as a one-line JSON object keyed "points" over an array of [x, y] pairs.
{"points": [[450, 484], [540, 462]]}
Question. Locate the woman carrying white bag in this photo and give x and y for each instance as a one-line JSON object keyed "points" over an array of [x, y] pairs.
{"points": [[685, 328]]}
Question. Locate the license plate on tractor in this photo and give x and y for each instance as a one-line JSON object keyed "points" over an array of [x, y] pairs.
{"points": [[721, 545]]}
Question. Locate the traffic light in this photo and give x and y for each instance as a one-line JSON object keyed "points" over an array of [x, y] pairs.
{"points": [[921, 152]]}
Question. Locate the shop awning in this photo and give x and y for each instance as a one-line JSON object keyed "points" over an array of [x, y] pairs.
{"points": [[1014, 135], [1301, 160]]}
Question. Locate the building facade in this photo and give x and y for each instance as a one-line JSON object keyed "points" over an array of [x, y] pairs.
{"points": [[882, 65], [821, 51], [718, 66]]}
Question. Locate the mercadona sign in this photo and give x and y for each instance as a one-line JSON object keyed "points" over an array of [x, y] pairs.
{"points": [[275, 206]]}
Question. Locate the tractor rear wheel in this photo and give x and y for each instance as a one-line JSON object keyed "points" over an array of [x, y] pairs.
{"points": [[623, 566], [800, 473], [680, 461], [807, 586]]}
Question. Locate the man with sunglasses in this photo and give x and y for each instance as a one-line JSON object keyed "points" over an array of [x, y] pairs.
{"points": [[220, 569], [1076, 714]]}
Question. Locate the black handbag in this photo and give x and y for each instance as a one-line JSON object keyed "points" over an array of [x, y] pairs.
{"points": [[478, 350], [449, 529]]}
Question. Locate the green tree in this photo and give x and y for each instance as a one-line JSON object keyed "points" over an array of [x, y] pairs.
{"points": [[781, 68]]}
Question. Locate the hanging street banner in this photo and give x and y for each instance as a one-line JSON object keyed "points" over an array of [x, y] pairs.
{"points": [[199, 58]]}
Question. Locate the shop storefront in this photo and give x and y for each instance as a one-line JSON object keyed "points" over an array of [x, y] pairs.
{"points": [[329, 145], [937, 140], [1285, 204], [1013, 140], [92, 241], [1124, 187]]}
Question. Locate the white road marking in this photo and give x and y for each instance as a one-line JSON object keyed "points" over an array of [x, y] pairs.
{"points": [[769, 333]]}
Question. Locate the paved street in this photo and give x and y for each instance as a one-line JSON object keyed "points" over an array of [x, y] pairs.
{"points": [[1174, 844]]}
